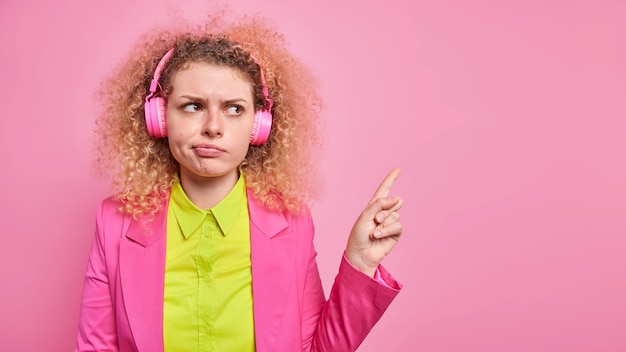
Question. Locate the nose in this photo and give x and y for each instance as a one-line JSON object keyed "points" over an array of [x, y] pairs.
{"points": [[213, 124]]}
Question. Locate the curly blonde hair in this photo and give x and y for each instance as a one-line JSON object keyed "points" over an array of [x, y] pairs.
{"points": [[280, 172]]}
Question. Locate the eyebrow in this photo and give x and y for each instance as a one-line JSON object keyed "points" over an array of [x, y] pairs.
{"points": [[229, 101]]}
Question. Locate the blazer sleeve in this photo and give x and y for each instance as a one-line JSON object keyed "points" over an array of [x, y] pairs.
{"points": [[96, 326], [355, 304]]}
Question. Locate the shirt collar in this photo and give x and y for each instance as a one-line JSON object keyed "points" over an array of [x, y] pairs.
{"points": [[190, 217]]}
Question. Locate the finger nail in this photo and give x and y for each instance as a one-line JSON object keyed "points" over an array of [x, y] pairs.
{"points": [[380, 217], [377, 234]]}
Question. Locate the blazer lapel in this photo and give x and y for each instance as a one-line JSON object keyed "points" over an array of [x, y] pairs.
{"points": [[142, 268], [271, 271]]}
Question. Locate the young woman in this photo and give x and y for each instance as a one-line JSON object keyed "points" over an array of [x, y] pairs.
{"points": [[207, 244]]}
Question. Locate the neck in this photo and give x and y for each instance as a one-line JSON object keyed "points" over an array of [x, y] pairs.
{"points": [[207, 192]]}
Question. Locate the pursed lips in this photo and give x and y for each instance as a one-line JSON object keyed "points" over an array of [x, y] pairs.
{"points": [[208, 150]]}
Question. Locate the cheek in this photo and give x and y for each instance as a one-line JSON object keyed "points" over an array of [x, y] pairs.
{"points": [[245, 138], [177, 139], [177, 129], [172, 146]]}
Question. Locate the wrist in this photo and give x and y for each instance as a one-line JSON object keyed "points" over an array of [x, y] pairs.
{"points": [[357, 261]]}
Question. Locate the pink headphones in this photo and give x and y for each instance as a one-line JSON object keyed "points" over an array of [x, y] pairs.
{"points": [[154, 108]]}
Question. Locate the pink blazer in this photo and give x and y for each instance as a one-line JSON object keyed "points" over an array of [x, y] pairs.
{"points": [[122, 305]]}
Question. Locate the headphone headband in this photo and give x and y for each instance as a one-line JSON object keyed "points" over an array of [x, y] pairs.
{"points": [[264, 86], [159, 69]]}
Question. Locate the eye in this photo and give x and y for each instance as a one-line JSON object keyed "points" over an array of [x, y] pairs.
{"points": [[234, 110], [191, 107]]}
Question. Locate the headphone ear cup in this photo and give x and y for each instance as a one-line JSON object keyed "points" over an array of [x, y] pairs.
{"points": [[261, 128], [155, 117], [160, 117]]}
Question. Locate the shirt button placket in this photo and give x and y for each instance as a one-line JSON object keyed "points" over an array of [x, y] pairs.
{"points": [[206, 228]]}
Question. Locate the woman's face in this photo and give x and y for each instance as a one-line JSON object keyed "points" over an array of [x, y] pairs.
{"points": [[209, 116]]}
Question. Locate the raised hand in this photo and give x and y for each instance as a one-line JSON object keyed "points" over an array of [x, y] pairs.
{"points": [[377, 230]]}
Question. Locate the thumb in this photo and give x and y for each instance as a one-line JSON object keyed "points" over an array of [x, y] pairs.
{"points": [[380, 204]]}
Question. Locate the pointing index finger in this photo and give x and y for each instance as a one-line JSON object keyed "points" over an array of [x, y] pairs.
{"points": [[385, 186]]}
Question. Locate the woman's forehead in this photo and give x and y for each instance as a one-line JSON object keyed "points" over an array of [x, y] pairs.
{"points": [[196, 65], [203, 76]]}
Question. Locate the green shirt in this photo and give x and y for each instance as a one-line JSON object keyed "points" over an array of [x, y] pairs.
{"points": [[208, 281]]}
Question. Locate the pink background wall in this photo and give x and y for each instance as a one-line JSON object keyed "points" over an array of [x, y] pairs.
{"points": [[507, 117]]}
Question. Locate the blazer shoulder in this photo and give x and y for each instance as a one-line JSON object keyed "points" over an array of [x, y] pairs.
{"points": [[111, 222], [109, 210], [109, 204]]}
